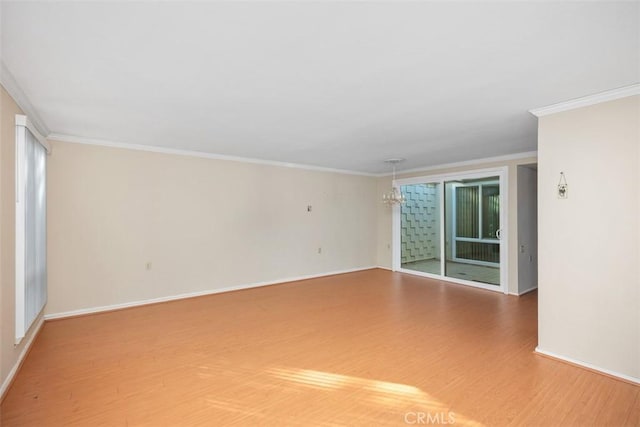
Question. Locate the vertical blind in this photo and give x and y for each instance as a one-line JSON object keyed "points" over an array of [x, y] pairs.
{"points": [[477, 218], [467, 212], [31, 227]]}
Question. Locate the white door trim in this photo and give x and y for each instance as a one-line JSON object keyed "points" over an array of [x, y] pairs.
{"points": [[503, 173]]}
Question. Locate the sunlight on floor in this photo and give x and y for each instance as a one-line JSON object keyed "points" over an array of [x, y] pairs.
{"points": [[401, 397], [398, 389], [312, 378]]}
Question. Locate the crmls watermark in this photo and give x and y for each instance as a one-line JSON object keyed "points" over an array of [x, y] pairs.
{"points": [[429, 418]]}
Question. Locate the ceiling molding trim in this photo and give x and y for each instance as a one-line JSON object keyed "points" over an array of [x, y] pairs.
{"points": [[189, 153], [9, 83], [609, 95], [475, 162], [24, 121]]}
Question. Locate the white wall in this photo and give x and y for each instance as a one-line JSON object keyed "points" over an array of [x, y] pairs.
{"points": [[203, 224], [527, 228], [589, 257]]}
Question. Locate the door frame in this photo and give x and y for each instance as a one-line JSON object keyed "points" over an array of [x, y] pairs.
{"points": [[502, 173]]}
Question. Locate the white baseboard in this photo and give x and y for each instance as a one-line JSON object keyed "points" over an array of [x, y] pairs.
{"points": [[12, 373], [384, 268], [112, 307], [589, 366], [526, 291]]}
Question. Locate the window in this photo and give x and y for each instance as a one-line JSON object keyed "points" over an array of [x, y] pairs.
{"points": [[31, 225]]}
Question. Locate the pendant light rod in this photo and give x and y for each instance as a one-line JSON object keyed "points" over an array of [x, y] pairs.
{"points": [[395, 196]]}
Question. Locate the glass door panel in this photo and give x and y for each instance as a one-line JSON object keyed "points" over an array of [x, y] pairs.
{"points": [[472, 224], [420, 228]]}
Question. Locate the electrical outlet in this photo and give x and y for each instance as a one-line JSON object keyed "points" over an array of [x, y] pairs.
{"points": [[319, 250], [148, 265], [309, 208]]}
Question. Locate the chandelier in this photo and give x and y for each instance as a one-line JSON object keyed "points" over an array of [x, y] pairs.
{"points": [[393, 197]]}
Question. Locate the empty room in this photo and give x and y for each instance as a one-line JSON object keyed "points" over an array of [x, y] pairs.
{"points": [[319, 213]]}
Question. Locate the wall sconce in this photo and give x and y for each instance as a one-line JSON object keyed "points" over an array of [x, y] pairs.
{"points": [[563, 187]]}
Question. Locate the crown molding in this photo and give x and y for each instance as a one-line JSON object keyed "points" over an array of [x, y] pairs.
{"points": [[474, 162], [609, 95], [24, 121], [163, 150], [9, 83]]}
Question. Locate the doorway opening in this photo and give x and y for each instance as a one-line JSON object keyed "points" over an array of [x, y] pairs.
{"points": [[527, 228]]}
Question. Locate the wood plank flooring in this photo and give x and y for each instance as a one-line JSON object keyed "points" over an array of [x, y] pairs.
{"points": [[366, 348]]}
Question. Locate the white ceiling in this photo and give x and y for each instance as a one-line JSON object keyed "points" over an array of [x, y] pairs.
{"points": [[335, 84]]}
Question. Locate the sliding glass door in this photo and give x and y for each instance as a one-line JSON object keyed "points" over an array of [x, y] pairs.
{"points": [[451, 228], [472, 216]]}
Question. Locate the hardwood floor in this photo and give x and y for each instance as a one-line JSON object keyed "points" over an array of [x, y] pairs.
{"points": [[366, 348]]}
